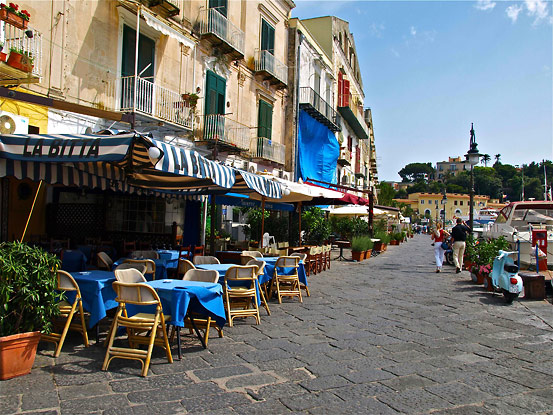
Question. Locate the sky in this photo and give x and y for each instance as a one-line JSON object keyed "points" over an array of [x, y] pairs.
{"points": [[431, 68]]}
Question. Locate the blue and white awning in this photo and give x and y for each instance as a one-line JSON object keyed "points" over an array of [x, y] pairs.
{"points": [[125, 162]]}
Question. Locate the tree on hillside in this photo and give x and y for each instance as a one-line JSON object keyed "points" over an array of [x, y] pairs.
{"points": [[485, 158], [415, 171], [386, 193], [533, 187]]}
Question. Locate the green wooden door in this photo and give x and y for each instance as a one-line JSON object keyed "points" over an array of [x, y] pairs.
{"points": [[265, 119], [214, 104], [219, 5], [267, 37]]}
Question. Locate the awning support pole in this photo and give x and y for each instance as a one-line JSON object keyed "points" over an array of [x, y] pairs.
{"points": [[299, 223], [31, 212], [262, 221], [212, 236]]}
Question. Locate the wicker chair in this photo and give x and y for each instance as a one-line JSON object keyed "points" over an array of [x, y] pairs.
{"points": [[241, 300], [286, 284], [205, 260]]}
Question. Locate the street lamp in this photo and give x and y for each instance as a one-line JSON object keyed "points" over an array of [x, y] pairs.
{"points": [[472, 156], [437, 212], [444, 203]]}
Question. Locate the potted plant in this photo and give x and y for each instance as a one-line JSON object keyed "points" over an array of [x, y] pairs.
{"points": [[3, 56], [396, 238], [10, 14], [191, 98], [357, 248], [27, 61], [384, 239], [29, 304], [368, 247], [16, 55]]}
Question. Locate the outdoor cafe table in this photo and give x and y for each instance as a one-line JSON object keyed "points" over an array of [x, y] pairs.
{"points": [[97, 294], [171, 257], [161, 267], [178, 297], [270, 263], [229, 257], [73, 260]]}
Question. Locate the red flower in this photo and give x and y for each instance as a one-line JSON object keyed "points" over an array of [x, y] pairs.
{"points": [[26, 13], [14, 6]]}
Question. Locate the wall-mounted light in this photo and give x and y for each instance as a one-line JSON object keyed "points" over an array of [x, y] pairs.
{"points": [[154, 154]]}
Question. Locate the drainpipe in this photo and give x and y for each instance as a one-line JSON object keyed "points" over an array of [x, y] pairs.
{"points": [[297, 117]]}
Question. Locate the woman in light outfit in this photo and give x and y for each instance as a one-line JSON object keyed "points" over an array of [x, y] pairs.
{"points": [[439, 235]]}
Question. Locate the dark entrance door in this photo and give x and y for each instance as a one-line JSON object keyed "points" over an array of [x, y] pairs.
{"points": [[214, 104]]}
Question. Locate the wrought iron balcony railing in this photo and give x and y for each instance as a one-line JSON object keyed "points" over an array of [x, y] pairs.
{"points": [[221, 129], [213, 22], [266, 62], [263, 148], [323, 111], [151, 99]]}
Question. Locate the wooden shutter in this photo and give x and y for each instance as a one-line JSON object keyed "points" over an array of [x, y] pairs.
{"points": [[214, 94], [219, 5], [267, 37], [265, 119], [345, 97], [340, 88]]}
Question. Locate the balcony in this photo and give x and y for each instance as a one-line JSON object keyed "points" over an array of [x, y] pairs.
{"points": [[152, 100], [318, 108], [228, 135], [265, 149], [29, 42], [166, 8], [349, 112], [271, 68], [220, 31], [344, 159]]}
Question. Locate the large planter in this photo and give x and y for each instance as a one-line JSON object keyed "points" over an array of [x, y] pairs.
{"points": [[394, 242], [357, 255], [13, 19], [476, 276], [487, 280], [368, 253], [17, 354]]}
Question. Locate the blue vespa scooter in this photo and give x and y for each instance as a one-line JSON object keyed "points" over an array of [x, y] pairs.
{"points": [[505, 276]]}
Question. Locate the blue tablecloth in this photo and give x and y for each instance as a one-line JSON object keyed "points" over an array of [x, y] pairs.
{"points": [[97, 293], [171, 257], [73, 261], [222, 269], [161, 267], [177, 297]]}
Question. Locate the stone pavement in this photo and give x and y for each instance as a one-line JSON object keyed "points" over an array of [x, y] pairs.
{"points": [[384, 336]]}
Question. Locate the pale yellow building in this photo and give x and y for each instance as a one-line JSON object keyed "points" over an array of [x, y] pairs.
{"points": [[432, 205]]}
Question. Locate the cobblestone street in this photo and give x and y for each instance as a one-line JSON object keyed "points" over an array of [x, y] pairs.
{"points": [[383, 336]]}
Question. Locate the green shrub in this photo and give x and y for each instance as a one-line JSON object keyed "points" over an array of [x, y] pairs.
{"points": [[357, 244], [317, 228], [486, 251], [383, 236], [28, 297]]}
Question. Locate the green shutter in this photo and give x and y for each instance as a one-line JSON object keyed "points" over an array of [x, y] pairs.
{"points": [[219, 5], [265, 119], [267, 37], [215, 89]]}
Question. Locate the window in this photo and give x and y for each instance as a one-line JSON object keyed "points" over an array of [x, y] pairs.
{"points": [[457, 211], [455, 202], [215, 93], [219, 5], [350, 144], [453, 167], [427, 212], [436, 201], [422, 202], [267, 37], [317, 83], [265, 119], [460, 203]]}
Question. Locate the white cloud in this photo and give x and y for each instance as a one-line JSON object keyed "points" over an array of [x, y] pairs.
{"points": [[537, 9], [513, 12], [413, 31], [376, 29], [484, 4], [394, 52]]}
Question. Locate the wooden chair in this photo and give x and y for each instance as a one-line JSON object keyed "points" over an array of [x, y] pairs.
{"points": [[199, 250], [328, 252], [128, 247], [201, 322], [141, 328], [241, 297], [247, 256], [185, 252], [150, 265], [131, 275], [262, 292], [302, 258], [183, 267], [205, 260], [319, 258], [311, 262], [71, 314], [104, 261], [128, 265], [286, 284]]}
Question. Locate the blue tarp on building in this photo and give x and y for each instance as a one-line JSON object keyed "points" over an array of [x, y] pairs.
{"points": [[318, 150]]}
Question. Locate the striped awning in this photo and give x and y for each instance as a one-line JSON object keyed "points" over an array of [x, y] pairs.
{"points": [[125, 162]]}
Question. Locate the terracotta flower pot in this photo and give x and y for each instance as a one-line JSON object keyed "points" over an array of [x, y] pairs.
{"points": [[357, 255], [17, 354], [3, 57], [15, 60], [368, 253], [13, 19]]}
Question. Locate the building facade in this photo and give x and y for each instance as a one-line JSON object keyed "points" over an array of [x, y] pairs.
{"points": [[452, 167]]}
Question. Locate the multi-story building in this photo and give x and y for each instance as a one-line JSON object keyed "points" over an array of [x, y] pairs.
{"points": [[452, 167], [337, 43], [432, 205]]}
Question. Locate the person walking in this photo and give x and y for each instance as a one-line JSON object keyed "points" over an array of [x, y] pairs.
{"points": [[459, 235], [438, 236]]}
